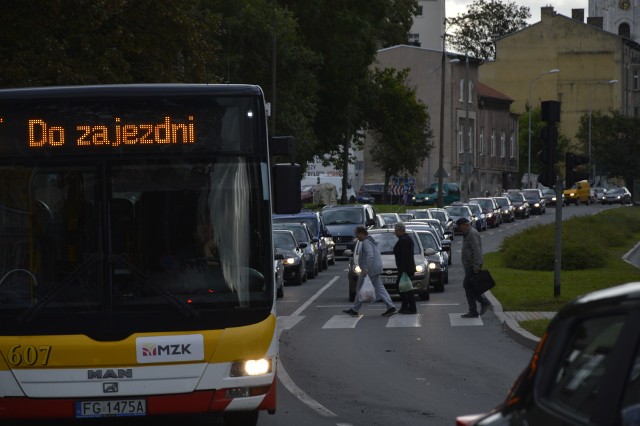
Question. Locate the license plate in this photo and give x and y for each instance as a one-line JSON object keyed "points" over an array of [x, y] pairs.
{"points": [[340, 248], [388, 280], [111, 408]]}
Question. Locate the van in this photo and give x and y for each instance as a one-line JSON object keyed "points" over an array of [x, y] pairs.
{"points": [[429, 196], [341, 222], [580, 192]]}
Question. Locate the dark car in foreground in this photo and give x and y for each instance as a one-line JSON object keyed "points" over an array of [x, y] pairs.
{"points": [[294, 260], [586, 369], [536, 200], [507, 210], [491, 210]]}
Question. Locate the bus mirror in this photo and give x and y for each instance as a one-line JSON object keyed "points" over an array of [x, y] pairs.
{"points": [[286, 188]]}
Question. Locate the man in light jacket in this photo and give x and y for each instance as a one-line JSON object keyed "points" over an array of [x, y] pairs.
{"points": [[472, 262], [370, 263]]}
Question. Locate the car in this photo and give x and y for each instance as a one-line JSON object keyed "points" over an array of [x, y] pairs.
{"points": [[507, 211], [599, 193], [278, 269], [490, 209], [376, 190], [481, 218], [365, 198], [437, 259], [406, 216], [536, 200], [341, 221], [443, 216], [303, 235], [306, 193], [314, 222], [456, 211], [423, 224], [429, 196], [386, 239], [523, 210], [390, 219], [617, 196], [585, 370], [549, 195], [420, 213], [580, 192], [294, 259]]}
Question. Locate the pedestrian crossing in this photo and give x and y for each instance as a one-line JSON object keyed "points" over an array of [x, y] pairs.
{"points": [[343, 321]]}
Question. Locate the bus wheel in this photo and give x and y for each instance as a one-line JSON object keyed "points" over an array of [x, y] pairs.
{"points": [[241, 418]]}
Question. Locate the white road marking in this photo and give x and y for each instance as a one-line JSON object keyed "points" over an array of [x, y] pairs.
{"points": [[457, 320], [404, 320], [300, 394], [342, 321]]}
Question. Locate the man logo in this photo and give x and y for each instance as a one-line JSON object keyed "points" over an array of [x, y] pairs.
{"points": [[110, 387]]}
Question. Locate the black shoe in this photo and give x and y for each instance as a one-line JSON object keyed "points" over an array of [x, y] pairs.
{"points": [[484, 307], [350, 312], [470, 315], [389, 312]]}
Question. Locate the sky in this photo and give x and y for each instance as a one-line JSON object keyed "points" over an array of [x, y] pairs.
{"points": [[563, 7]]}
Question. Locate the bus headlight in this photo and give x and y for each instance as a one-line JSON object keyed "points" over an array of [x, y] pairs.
{"points": [[252, 367]]}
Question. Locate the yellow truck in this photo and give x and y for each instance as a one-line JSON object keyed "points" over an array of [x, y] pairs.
{"points": [[580, 192]]}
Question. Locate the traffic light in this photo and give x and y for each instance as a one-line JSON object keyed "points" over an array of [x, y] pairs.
{"points": [[547, 156]]}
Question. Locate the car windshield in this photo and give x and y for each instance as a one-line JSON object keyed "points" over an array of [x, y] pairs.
{"points": [[283, 241], [485, 204], [439, 215], [300, 232], [387, 240], [458, 211], [428, 241], [502, 202], [532, 195], [343, 216], [311, 222], [518, 198], [615, 191], [475, 208], [390, 219]]}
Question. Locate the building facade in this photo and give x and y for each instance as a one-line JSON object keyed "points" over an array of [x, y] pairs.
{"points": [[428, 25]]}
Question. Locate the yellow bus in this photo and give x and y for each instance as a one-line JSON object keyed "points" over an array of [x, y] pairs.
{"points": [[136, 273]]}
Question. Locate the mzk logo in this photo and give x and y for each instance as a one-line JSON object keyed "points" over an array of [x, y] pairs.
{"points": [[170, 348]]}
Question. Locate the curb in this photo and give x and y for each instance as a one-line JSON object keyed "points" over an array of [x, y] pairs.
{"points": [[511, 326]]}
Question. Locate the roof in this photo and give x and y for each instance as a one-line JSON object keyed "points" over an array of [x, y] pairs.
{"points": [[489, 92]]}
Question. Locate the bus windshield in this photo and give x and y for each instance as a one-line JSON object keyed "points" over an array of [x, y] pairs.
{"points": [[110, 244]]}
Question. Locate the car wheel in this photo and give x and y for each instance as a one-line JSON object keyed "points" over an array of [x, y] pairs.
{"points": [[302, 276], [424, 295], [332, 261]]}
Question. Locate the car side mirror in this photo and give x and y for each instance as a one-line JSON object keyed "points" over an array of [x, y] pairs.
{"points": [[279, 256], [302, 245], [371, 222], [429, 252]]}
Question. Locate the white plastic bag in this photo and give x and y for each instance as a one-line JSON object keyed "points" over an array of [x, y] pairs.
{"points": [[367, 292]]}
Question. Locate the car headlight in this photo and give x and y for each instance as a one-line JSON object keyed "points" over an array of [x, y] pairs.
{"points": [[419, 269], [289, 261], [432, 266], [536, 205]]}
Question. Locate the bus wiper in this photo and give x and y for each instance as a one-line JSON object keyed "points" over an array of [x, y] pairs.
{"points": [[57, 288], [180, 305]]}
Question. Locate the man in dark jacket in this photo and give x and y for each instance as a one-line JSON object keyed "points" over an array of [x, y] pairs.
{"points": [[403, 252]]}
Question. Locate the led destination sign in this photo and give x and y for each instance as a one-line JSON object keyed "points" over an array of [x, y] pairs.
{"points": [[169, 131]]}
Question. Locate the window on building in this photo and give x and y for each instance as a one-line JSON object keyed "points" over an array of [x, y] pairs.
{"points": [[624, 30], [636, 77], [470, 95], [503, 144], [414, 39], [419, 12], [481, 142], [460, 133], [512, 145], [493, 142], [462, 90]]}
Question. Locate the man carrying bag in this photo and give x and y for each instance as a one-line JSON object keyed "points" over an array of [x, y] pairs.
{"points": [[472, 263]]}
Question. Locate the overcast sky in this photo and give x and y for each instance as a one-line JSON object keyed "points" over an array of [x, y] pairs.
{"points": [[563, 7]]}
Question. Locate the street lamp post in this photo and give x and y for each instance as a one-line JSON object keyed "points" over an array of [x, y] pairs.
{"points": [[553, 71], [590, 98], [467, 130], [441, 150]]}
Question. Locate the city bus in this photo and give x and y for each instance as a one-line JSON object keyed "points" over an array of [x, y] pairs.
{"points": [[137, 264]]}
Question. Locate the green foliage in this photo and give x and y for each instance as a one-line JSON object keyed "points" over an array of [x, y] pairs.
{"points": [[483, 23], [586, 242], [523, 289]]}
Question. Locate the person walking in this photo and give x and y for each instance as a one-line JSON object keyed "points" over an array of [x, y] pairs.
{"points": [[403, 252], [472, 262], [370, 263]]}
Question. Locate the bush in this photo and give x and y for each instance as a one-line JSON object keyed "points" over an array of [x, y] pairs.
{"points": [[586, 241]]}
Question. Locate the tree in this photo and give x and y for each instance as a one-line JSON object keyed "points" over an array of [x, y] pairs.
{"points": [[398, 122], [615, 144], [484, 22], [346, 35]]}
